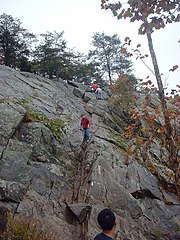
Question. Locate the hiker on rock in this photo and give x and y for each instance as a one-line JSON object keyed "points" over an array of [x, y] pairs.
{"points": [[98, 93], [85, 125], [107, 221], [93, 88]]}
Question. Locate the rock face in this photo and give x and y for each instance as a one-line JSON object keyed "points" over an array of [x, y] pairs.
{"points": [[46, 174]]}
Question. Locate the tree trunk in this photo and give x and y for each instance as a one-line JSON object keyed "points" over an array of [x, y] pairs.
{"points": [[108, 67], [110, 79], [171, 147], [156, 68]]}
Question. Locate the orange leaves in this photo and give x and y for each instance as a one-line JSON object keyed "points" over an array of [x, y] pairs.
{"points": [[123, 51], [149, 82], [135, 115], [144, 56], [162, 4], [128, 13], [169, 174], [147, 98], [158, 12], [161, 130], [128, 151], [127, 40], [153, 125], [104, 1], [104, 4], [131, 131], [173, 68], [139, 141]]}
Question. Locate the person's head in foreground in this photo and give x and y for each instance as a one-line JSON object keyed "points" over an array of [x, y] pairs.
{"points": [[107, 221]]}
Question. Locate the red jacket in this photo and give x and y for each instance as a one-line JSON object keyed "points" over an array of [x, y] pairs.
{"points": [[94, 86], [84, 122]]}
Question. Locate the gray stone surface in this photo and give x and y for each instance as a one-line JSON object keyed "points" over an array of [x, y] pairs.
{"points": [[40, 174]]}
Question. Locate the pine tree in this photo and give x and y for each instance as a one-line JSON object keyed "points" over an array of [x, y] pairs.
{"points": [[14, 42]]}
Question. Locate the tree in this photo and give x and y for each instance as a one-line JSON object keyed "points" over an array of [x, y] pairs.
{"points": [[81, 70], [148, 132], [14, 42], [154, 15], [123, 93], [49, 55], [108, 58], [52, 58]]}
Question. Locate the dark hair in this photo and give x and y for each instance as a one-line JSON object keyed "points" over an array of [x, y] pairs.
{"points": [[106, 219]]}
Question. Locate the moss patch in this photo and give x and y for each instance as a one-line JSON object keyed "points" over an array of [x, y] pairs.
{"points": [[24, 101], [118, 141], [56, 125]]}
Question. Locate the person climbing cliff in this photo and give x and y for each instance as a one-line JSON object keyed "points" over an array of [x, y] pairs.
{"points": [[107, 221], [93, 88], [98, 93], [85, 125]]}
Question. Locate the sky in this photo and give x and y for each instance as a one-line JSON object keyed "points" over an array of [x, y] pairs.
{"points": [[79, 19]]}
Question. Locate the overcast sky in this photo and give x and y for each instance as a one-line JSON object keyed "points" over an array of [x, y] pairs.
{"points": [[79, 19]]}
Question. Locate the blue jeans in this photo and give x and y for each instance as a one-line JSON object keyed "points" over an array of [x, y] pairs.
{"points": [[86, 134], [99, 95]]}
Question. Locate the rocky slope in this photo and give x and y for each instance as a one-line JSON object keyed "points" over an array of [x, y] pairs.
{"points": [[46, 174]]}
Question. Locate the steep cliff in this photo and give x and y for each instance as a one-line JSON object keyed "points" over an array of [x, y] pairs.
{"points": [[46, 174]]}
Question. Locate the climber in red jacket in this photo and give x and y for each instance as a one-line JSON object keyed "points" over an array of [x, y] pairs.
{"points": [[85, 125]]}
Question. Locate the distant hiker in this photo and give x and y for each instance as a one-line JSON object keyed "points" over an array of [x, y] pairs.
{"points": [[93, 88], [107, 221], [85, 125], [98, 93]]}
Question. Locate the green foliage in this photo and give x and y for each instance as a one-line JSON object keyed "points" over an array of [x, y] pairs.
{"points": [[51, 58], [49, 55], [84, 71], [24, 64], [24, 101], [178, 228], [54, 60], [21, 228], [108, 58], [14, 42]]}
